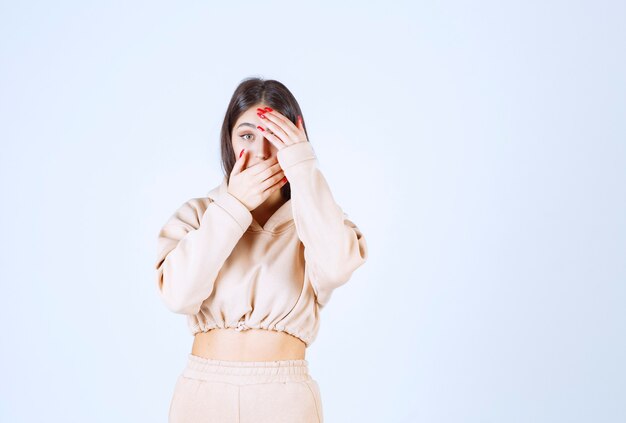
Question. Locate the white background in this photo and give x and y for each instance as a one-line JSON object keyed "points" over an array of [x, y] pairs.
{"points": [[480, 146]]}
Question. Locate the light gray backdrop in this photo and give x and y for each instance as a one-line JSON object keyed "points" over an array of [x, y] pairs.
{"points": [[480, 146]]}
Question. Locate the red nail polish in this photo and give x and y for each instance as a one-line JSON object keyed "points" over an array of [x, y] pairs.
{"points": [[261, 115], [284, 179], [241, 152], [269, 109], [261, 128]]}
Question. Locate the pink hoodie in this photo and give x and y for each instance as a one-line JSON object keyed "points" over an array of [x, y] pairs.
{"points": [[217, 265]]}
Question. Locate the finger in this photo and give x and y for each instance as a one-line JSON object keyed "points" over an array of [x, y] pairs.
{"points": [[285, 123], [279, 127], [257, 168], [266, 173], [271, 137], [241, 161], [274, 177], [275, 182], [296, 132]]}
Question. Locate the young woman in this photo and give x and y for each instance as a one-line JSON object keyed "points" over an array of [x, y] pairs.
{"points": [[252, 264]]}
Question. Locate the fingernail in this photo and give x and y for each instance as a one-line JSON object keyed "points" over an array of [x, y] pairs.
{"points": [[261, 115], [269, 109], [241, 152], [284, 179], [261, 128]]}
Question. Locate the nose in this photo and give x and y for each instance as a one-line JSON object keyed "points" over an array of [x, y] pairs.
{"points": [[263, 148]]}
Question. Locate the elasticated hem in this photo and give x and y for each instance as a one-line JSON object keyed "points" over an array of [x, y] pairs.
{"points": [[246, 372]]}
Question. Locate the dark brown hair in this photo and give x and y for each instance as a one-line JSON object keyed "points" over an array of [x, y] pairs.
{"points": [[249, 92]]}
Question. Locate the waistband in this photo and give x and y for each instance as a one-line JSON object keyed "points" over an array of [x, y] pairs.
{"points": [[245, 372]]}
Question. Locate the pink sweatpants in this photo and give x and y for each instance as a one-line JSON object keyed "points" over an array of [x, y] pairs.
{"points": [[245, 392]]}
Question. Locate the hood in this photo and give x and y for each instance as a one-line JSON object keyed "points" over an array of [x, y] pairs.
{"points": [[279, 221]]}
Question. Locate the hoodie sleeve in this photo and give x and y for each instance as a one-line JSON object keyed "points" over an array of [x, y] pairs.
{"points": [[192, 247], [333, 245]]}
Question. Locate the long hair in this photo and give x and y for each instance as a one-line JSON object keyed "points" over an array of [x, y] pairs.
{"points": [[249, 92]]}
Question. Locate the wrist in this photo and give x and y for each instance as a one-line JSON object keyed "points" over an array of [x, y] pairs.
{"points": [[295, 153]]}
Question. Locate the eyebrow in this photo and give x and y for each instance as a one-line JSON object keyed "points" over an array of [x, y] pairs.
{"points": [[246, 124]]}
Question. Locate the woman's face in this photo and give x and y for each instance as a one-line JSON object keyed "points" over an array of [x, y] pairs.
{"points": [[246, 135]]}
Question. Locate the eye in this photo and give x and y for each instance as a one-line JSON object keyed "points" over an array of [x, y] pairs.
{"points": [[245, 135]]}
